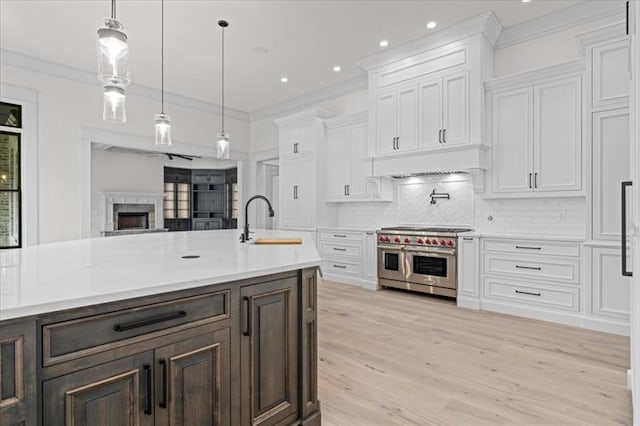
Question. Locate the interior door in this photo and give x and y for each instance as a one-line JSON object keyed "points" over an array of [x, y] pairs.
{"points": [[386, 111], [407, 127], [557, 135], [337, 163], [430, 113], [455, 105], [511, 150], [358, 164]]}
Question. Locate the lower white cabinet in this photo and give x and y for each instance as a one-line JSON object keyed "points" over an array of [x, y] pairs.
{"points": [[349, 256], [610, 291], [468, 272]]}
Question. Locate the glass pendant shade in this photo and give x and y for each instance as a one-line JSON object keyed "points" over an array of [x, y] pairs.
{"points": [[163, 130], [223, 146], [113, 53], [114, 108]]}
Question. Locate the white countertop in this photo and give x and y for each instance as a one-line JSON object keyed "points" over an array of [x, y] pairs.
{"points": [[72, 274], [512, 236]]}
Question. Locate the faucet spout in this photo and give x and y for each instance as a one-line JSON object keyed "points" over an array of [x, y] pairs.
{"points": [[245, 234]]}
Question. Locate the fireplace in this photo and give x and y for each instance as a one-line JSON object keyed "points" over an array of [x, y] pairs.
{"points": [[132, 220]]}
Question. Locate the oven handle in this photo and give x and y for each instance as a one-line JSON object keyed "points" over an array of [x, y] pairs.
{"points": [[421, 250], [391, 248]]}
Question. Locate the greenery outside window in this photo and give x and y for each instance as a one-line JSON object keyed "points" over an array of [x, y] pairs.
{"points": [[10, 191]]}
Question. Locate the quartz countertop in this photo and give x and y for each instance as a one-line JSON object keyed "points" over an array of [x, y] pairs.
{"points": [[515, 236], [72, 274]]}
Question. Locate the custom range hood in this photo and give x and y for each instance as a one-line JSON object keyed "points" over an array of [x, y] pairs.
{"points": [[467, 159]]}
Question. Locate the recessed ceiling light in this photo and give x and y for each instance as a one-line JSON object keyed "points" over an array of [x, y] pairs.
{"points": [[284, 80], [525, 1], [337, 68], [431, 25], [384, 43], [261, 50]]}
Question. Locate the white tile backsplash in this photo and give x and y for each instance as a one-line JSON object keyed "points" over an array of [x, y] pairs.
{"points": [[541, 216]]}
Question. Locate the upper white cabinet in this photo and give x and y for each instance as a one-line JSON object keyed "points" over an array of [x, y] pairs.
{"points": [[397, 114], [610, 65], [348, 169], [536, 138], [297, 141]]}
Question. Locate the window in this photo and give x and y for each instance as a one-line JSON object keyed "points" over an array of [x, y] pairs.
{"points": [[10, 115], [10, 191]]}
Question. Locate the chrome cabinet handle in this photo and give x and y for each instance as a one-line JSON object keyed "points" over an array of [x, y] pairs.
{"points": [[623, 229], [533, 268], [529, 293]]}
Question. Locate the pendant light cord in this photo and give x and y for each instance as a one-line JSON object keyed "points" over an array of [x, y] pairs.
{"points": [[222, 79], [113, 9], [162, 56]]}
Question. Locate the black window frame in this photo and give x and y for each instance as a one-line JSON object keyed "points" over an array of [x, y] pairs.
{"points": [[19, 190], [19, 118]]}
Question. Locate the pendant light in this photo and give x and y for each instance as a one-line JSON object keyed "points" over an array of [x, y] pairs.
{"points": [[163, 123], [223, 137], [113, 67]]}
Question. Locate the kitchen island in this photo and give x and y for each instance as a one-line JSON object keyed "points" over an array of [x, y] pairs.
{"points": [[184, 328]]}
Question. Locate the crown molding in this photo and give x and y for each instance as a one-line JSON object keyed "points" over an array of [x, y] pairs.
{"points": [[599, 35], [312, 98], [563, 19], [55, 69], [309, 114], [535, 75], [346, 120], [486, 25]]}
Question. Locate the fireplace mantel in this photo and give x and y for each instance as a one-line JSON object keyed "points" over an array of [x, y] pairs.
{"points": [[110, 198]]}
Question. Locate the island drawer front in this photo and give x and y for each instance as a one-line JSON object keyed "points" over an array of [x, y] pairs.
{"points": [[83, 336], [532, 294], [339, 267], [334, 249], [344, 236], [553, 269], [549, 248]]}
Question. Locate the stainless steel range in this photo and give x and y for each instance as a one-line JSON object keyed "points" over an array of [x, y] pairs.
{"points": [[419, 259]]}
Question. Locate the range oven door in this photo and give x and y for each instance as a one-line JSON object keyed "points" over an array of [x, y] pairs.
{"points": [[435, 267], [391, 263]]}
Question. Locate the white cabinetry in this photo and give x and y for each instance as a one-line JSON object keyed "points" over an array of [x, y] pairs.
{"points": [[468, 272], [297, 193], [349, 256], [397, 115], [348, 169], [609, 290], [536, 138], [610, 65]]}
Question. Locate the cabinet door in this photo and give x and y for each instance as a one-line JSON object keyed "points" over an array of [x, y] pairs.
{"points": [[455, 106], [306, 193], [337, 163], [511, 149], [407, 121], [557, 136], [111, 394], [611, 291], [468, 270], [358, 164], [288, 213], [306, 139], [611, 147], [430, 116], [269, 353], [611, 73], [386, 111], [193, 381], [288, 138]]}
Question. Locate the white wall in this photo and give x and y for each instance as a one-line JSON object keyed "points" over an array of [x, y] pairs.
{"points": [[67, 108]]}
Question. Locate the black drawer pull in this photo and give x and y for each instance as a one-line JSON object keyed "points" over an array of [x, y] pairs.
{"points": [[467, 238], [528, 248], [529, 293], [163, 402], [246, 317], [148, 408], [533, 268], [340, 266], [339, 249], [149, 321], [339, 236]]}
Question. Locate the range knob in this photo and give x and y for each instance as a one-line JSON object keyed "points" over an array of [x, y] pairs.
{"points": [[407, 241], [419, 241], [386, 239], [443, 242], [450, 243], [381, 239], [434, 242], [396, 239]]}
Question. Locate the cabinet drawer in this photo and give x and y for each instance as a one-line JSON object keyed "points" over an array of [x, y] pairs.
{"points": [[72, 339], [549, 248], [333, 249], [338, 235], [339, 267], [554, 269], [533, 294]]}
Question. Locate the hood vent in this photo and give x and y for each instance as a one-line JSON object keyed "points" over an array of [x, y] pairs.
{"points": [[434, 173]]}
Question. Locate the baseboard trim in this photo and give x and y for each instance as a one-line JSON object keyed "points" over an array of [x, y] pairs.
{"points": [[629, 379], [469, 303], [368, 285]]}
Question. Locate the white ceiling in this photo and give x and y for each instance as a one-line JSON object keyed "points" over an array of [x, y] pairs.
{"points": [[305, 39]]}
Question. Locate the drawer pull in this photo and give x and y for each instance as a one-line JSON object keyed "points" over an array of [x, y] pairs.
{"points": [[163, 402], [246, 318], [339, 236], [467, 238], [528, 248], [340, 266], [149, 321], [148, 408], [339, 249], [529, 293], [533, 268]]}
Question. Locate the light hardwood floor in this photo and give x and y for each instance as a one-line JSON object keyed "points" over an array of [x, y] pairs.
{"points": [[395, 358]]}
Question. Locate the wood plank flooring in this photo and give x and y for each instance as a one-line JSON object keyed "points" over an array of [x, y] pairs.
{"points": [[395, 358]]}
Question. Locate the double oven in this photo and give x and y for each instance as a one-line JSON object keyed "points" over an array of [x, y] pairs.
{"points": [[419, 259]]}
